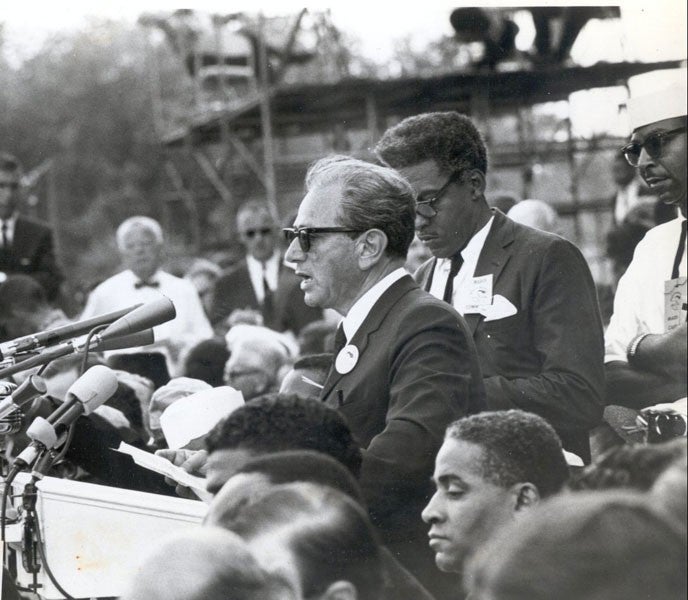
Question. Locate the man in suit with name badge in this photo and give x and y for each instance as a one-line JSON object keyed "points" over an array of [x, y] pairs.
{"points": [[527, 295], [405, 365]]}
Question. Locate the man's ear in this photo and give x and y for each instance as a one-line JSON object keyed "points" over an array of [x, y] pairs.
{"points": [[476, 179], [526, 496], [340, 590], [370, 247]]}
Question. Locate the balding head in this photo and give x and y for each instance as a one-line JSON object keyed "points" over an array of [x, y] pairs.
{"points": [[204, 564]]}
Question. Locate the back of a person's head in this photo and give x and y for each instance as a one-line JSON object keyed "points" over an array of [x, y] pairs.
{"points": [[328, 533], [305, 465], [536, 214], [449, 138], [634, 466], [313, 336], [668, 493], [22, 292], [206, 361], [277, 422], [518, 447], [203, 564], [592, 546]]}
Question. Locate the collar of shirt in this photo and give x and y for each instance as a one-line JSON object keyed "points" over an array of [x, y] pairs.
{"points": [[10, 223], [362, 307], [255, 272], [470, 255]]}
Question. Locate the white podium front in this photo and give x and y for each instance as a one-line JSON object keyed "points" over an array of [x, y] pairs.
{"points": [[95, 536]]}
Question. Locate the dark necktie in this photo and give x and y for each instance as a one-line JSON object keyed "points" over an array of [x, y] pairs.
{"points": [[145, 283], [5, 236], [679, 251], [339, 340], [268, 300], [456, 262]]}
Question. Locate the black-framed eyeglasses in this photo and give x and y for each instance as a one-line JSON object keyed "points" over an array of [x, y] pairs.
{"points": [[305, 234], [653, 144], [9, 185], [251, 233], [425, 207]]}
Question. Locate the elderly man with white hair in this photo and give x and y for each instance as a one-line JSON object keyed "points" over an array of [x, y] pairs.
{"points": [[140, 243], [259, 357]]}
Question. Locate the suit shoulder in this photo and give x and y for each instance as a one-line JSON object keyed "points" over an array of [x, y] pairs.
{"points": [[236, 271], [34, 224]]}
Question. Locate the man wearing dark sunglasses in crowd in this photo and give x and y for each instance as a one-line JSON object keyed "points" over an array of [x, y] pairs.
{"points": [[527, 295], [646, 338], [261, 282], [404, 361]]}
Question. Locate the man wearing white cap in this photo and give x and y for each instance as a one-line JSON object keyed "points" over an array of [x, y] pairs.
{"points": [[645, 354]]}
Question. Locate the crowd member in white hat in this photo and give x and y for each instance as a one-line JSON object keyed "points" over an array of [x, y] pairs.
{"points": [[645, 352], [186, 422]]}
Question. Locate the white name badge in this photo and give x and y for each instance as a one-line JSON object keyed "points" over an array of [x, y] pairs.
{"points": [[674, 303], [477, 295], [346, 359]]}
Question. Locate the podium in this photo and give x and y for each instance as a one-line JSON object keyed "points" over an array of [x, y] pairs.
{"points": [[96, 536]]}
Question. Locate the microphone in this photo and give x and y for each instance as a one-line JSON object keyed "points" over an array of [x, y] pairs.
{"points": [[59, 334], [87, 393], [142, 338], [30, 388], [146, 316]]}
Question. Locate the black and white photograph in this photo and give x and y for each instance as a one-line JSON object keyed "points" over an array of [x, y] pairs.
{"points": [[343, 300]]}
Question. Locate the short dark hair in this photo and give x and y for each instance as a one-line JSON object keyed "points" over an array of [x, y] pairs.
{"points": [[10, 164], [373, 197], [279, 422], [449, 138], [518, 446], [635, 466], [305, 465], [328, 533], [609, 545], [206, 361], [320, 363]]}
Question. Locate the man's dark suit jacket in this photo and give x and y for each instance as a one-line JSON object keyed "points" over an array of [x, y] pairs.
{"points": [[417, 371], [31, 253], [233, 290], [548, 358]]}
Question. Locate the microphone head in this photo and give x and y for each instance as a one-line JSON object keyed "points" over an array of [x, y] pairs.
{"points": [[93, 388], [146, 316]]}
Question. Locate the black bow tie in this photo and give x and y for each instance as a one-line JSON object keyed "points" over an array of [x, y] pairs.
{"points": [[144, 283]]}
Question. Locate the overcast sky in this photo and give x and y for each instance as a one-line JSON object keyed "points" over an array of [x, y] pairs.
{"points": [[650, 29]]}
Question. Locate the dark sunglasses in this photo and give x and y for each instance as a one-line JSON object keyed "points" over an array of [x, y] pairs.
{"points": [[305, 234], [653, 144], [251, 233], [8, 185], [425, 207]]}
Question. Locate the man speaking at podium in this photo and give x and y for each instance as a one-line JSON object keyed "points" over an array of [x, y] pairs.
{"points": [[405, 365], [140, 243]]}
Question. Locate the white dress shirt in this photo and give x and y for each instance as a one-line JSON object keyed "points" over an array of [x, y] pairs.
{"points": [[470, 255], [9, 229], [639, 298], [362, 307], [189, 327], [256, 270]]}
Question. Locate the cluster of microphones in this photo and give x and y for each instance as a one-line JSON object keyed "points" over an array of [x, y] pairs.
{"points": [[127, 328]]}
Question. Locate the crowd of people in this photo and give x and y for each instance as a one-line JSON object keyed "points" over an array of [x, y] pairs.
{"points": [[370, 430]]}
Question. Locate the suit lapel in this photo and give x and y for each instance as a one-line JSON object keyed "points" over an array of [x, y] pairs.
{"points": [[371, 324], [493, 257], [22, 240]]}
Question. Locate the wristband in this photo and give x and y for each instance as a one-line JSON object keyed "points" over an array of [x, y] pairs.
{"points": [[632, 350]]}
